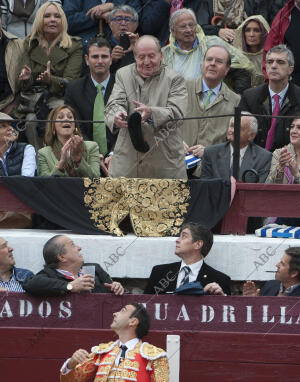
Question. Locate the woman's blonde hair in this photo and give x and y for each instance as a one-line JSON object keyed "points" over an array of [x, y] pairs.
{"points": [[50, 134], [37, 29]]}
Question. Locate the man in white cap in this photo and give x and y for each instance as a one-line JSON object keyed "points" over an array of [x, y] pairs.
{"points": [[15, 158]]}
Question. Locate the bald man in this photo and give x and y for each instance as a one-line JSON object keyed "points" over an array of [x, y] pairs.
{"points": [[159, 94]]}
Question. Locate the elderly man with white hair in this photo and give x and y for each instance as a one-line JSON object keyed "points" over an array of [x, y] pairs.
{"points": [[188, 44], [218, 159]]}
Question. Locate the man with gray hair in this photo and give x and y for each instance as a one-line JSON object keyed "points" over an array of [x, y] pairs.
{"points": [[123, 22], [152, 96], [279, 97], [188, 44], [218, 159]]}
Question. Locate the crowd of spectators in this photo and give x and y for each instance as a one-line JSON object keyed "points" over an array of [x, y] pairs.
{"points": [[199, 58], [129, 70]]}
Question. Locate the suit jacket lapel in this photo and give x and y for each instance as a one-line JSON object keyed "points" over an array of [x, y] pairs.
{"points": [[224, 160], [90, 92], [204, 275], [175, 270], [109, 88], [248, 160]]}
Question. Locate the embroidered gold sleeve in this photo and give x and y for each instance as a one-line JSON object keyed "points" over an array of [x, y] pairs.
{"points": [[82, 373], [160, 370]]}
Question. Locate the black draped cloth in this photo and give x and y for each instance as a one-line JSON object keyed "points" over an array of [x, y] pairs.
{"points": [[156, 207]]}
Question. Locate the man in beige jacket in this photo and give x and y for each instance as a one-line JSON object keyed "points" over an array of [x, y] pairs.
{"points": [[209, 96], [159, 94], [11, 49]]}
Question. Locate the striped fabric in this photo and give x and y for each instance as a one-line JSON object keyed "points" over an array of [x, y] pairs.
{"points": [[12, 285], [275, 230], [191, 161]]}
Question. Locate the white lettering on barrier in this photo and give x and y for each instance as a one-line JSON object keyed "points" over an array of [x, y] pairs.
{"points": [[283, 317], [6, 311], [228, 313], [249, 313], [265, 317], [65, 309], [41, 309], [25, 308], [157, 312], [211, 314], [183, 314]]}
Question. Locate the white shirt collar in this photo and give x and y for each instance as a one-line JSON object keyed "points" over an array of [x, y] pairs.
{"points": [[281, 94], [131, 344], [104, 83], [242, 151], [195, 267], [215, 90]]}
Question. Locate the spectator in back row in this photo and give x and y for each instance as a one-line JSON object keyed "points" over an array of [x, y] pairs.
{"points": [[279, 97], [18, 15], [51, 59], [285, 29], [62, 272], [122, 20], [208, 96], [11, 49], [217, 160], [88, 100], [66, 153], [188, 44], [11, 278], [84, 16], [250, 38]]}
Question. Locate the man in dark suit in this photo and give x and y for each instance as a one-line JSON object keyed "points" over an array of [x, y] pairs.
{"points": [[62, 272], [81, 93], [287, 277], [217, 159], [193, 244], [279, 97]]}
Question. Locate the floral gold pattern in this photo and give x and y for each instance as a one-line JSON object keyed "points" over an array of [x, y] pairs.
{"points": [[155, 206]]}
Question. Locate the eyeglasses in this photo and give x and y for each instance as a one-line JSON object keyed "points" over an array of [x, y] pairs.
{"points": [[187, 26], [126, 20]]}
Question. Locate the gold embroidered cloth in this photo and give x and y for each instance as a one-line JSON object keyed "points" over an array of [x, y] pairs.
{"points": [[156, 206]]}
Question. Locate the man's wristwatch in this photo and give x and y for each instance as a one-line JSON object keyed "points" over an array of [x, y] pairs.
{"points": [[69, 287]]}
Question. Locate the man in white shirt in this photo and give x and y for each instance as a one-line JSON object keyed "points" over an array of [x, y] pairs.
{"points": [[128, 358], [193, 244], [218, 159]]}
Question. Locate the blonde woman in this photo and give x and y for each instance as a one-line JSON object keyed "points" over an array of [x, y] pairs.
{"points": [[66, 153], [51, 59]]}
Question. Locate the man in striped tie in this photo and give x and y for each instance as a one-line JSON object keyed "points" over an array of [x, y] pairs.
{"points": [[193, 244], [11, 278]]}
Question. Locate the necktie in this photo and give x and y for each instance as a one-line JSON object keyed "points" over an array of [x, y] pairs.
{"points": [[271, 132], [99, 129], [187, 271], [209, 93], [123, 352]]}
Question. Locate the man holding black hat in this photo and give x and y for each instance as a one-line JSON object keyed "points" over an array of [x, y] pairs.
{"points": [[159, 95]]}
